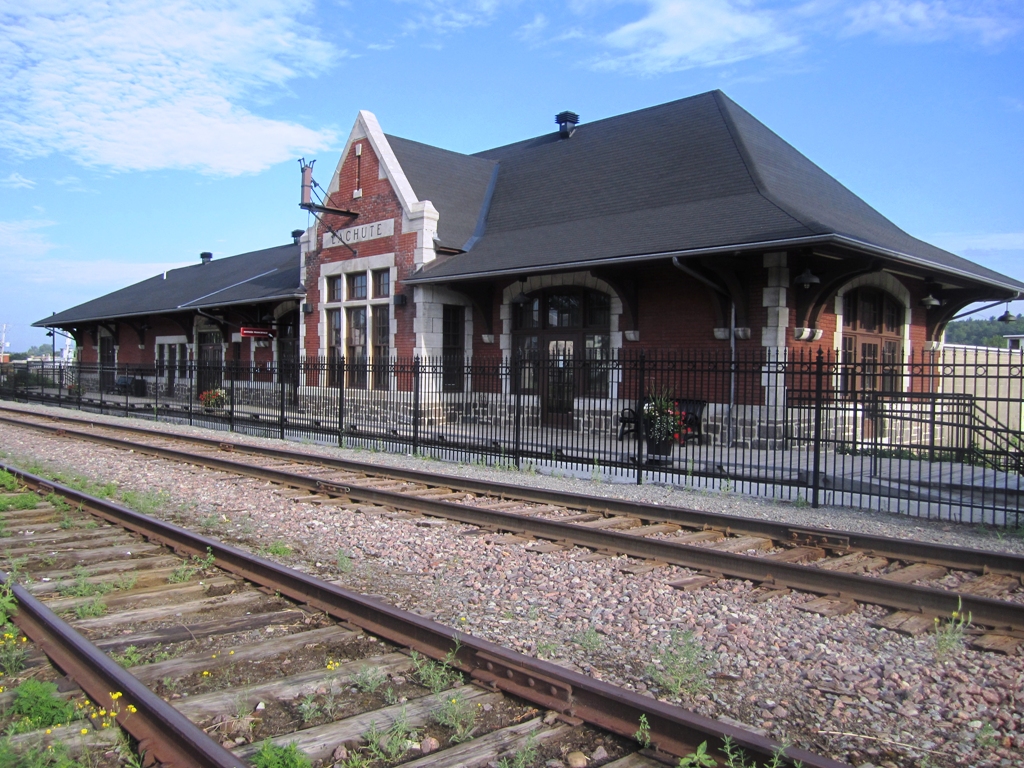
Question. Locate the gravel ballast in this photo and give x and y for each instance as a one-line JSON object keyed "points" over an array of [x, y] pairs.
{"points": [[833, 685]]}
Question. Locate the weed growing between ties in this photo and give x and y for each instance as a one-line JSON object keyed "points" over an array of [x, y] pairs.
{"points": [[13, 650], [390, 745], [643, 733], [19, 502], [8, 482], [37, 705], [459, 715], [191, 567], [344, 561], [949, 635], [369, 679], [521, 758], [437, 675], [92, 609], [273, 756], [146, 502], [129, 657], [682, 666]]}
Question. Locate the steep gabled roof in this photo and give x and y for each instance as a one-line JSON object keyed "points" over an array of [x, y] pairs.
{"points": [[267, 275], [694, 175], [457, 185]]}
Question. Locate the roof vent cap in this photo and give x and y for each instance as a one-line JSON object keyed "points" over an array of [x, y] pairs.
{"points": [[206, 257], [297, 235], [566, 123]]}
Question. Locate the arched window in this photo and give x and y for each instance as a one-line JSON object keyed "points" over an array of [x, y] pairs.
{"points": [[563, 336], [873, 338]]}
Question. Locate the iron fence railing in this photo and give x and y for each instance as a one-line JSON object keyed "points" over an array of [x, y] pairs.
{"points": [[938, 435]]}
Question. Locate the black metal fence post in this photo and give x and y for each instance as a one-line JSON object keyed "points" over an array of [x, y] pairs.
{"points": [[231, 414], [517, 410], [415, 406], [640, 397], [190, 369], [156, 393], [819, 381], [78, 383], [280, 383], [341, 401]]}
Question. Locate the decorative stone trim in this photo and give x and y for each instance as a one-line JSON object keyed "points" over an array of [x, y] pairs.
{"points": [[773, 299]]}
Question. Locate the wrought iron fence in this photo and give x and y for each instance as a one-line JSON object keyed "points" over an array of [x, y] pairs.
{"points": [[938, 435]]}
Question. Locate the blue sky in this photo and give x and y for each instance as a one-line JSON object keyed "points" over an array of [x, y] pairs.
{"points": [[135, 134]]}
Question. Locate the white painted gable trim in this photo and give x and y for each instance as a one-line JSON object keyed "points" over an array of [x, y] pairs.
{"points": [[367, 128]]}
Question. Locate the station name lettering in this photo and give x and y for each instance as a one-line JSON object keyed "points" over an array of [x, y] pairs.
{"points": [[357, 234]]}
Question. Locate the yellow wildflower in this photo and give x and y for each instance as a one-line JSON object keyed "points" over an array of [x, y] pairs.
{"points": [[84, 731]]}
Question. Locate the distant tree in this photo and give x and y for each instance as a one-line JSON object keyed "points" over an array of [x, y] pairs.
{"points": [[983, 333]]}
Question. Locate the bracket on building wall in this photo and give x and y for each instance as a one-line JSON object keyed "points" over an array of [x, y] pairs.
{"points": [[222, 325], [937, 318], [112, 330], [481, 296], [628, 289], [185, 329], [811, 301], [139, 329]]}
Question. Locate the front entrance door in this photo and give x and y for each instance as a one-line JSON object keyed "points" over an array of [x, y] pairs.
{"points": [[558, 382], [172, 367], [211, 356], [288, 354], [107, 366]]}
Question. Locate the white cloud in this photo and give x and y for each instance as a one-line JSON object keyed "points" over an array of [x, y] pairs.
{"points": [[681, 34], [531, 31], [930, 20], [107, 274], [21, 240], [17, 181], [146, 85], [441, 16]]}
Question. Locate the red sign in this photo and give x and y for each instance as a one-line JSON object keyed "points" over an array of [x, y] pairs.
{"points": [[256, 333]]}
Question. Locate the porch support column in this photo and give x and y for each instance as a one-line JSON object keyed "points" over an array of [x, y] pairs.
{"points": [[773, 334]]}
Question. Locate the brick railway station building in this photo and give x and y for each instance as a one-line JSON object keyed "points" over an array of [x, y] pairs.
{"points": [[688, 226]]}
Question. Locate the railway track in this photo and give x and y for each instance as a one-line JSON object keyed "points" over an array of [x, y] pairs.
{"points": [[920, 582], [250, 654]]}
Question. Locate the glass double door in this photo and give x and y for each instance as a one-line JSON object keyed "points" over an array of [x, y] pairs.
{"points": [[558, 381]]}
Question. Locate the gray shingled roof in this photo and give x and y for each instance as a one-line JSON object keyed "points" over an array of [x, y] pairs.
{"points": [[696, 174], [267, 275]]}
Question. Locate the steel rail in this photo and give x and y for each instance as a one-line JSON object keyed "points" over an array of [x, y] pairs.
{"points": [[164, 734], [998, 614], [978, 560], [674, 730]]}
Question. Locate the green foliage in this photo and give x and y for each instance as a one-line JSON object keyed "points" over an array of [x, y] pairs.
{"points": [[272, 756], [309, 708], [80, 586], [949, 635], [13, 651], [37, 705], [522, 758], [278, 549], [456, 713], [53, 756], [8, 482], [58, 502], [684, 665], [389, 746], [191, 567], [129, 657], [589, 640], [8, 602], [369, 679], [146, 502], [21, 501], [982, 333], [436, 675], [344, 561], [643, 733], [92, 609], [698, 759]]}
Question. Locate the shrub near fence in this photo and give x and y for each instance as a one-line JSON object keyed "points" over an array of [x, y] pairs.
{"points": [[938, 435]]}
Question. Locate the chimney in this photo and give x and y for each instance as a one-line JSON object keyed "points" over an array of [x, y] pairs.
{"points": [[206, 257], [307, 181], [297, 235], [566, 123]]}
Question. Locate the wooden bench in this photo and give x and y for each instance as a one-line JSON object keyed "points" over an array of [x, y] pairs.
{"points": [[692, 410]]}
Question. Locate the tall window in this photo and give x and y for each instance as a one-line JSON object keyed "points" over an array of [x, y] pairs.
{"points": [[570, 325], [356, 342], [453, 341], [357, 286], [381, 346], [381, 283], [872, 340], [334, 288], [335, 346]]}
